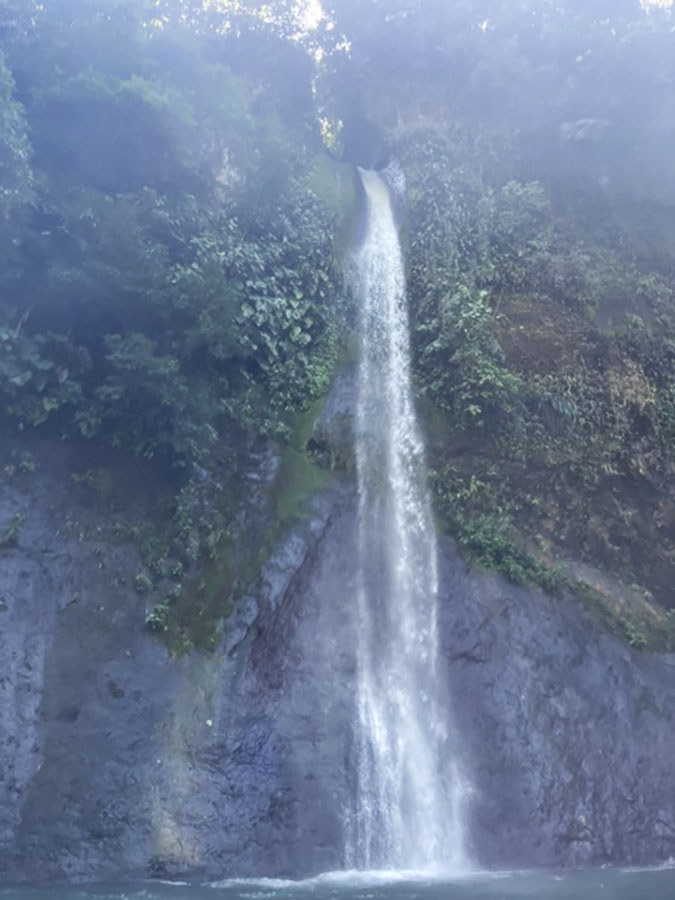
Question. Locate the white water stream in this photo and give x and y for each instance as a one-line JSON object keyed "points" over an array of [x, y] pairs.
{"points": [[410, 793]]}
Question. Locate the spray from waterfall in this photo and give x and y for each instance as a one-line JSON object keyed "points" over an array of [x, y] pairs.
{"points": [[408, 811]]}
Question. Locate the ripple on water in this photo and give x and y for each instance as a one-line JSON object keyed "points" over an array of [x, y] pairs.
{"points": [[598, 884]]}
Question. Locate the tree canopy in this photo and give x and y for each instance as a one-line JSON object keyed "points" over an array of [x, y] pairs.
{"points": [[170, 242]]}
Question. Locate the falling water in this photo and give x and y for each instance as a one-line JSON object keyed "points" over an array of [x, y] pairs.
{"points": [[408, 808]]}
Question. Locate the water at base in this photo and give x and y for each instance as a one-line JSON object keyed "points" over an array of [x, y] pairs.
{"points": [[409, 794], [594, 884]]}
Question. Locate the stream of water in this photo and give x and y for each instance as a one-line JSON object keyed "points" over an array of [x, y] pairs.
{"points": [[410, 794]]}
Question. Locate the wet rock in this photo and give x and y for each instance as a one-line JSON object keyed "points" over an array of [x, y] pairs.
{"points": [[117, 761], [565, 729], [332, 442]]}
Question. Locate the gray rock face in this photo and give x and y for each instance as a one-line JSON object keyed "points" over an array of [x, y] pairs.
{"points": [[568, 729], [117, 761], [332, 441]]}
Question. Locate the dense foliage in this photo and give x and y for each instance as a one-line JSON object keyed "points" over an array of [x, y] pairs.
{"points": [[542, 254], [170, 245], [168, 272], [168, 275]]}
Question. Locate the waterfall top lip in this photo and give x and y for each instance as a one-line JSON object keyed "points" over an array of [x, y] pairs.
{"points": [[391, 181], [376, 186]]}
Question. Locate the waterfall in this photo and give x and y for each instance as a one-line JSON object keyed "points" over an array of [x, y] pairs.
{"points": [[409, 791]]}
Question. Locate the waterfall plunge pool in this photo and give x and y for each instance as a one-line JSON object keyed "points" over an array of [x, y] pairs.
{"points": [[592, 884]]}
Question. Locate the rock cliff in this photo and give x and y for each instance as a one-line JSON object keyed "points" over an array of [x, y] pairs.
{"points": [[119, 761]]}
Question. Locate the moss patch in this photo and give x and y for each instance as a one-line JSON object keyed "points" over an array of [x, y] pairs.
{"points": [[298, 478], [338, 187], [205, 599], [9, 533]]}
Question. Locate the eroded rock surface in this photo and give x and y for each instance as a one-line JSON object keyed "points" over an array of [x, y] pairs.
{"points": [[117, 761]]}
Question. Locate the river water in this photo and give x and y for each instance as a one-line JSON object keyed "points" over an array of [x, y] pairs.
{"points": [[596, 884]]}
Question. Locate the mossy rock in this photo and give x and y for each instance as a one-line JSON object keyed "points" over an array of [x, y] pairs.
{"points": [[331, 445], [338, 187]]}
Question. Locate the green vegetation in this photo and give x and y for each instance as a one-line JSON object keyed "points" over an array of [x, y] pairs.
{"points": [[541, 256], [173, 279], [170, 234], [169, 280], [9, 533], [142, 583]]}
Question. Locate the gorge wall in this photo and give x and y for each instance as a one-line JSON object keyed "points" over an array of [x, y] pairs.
{"points": [[164, 311], [120, 761]]}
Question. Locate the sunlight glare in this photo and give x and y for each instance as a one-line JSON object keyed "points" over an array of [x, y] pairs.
{"points": [[311, 15]]}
